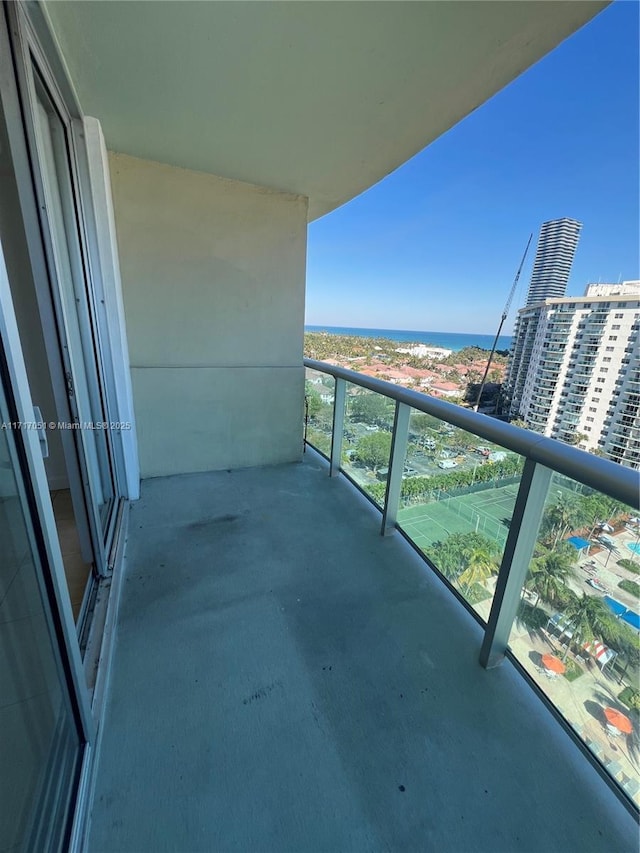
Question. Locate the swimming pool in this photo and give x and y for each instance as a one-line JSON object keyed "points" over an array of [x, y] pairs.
{"points": [[635, 547]]}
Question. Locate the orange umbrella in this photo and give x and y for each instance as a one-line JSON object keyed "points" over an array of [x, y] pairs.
{"points": [[553, 663], [618, 720]]}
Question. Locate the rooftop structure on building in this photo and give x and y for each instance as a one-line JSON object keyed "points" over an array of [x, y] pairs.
{"points": [[556, 248], [622, 288]]}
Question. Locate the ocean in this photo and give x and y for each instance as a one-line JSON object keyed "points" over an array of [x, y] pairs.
{"points": [[447, 340]]}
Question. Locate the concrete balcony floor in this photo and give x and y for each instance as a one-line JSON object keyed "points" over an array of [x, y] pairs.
{"points": [[285, 679]]}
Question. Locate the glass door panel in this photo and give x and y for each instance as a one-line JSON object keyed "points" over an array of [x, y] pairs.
{"points": [[80, 350], [40, 746]]}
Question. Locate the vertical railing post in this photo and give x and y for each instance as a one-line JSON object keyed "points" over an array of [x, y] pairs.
{"points": [[338, 426], [521, 541], [398, 455]]}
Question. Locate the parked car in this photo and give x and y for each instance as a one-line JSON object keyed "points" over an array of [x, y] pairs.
{"points": [[447, 463]]}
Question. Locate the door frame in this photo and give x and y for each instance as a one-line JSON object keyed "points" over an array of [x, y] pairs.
{"points": [[34, 493], [30, 59], [31, 480]]}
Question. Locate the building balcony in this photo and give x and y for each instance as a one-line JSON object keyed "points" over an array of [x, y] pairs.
{"points": [[625, 429], [624, 450], [285, 678], [569, 419], [539, 411], [549, 370], [584, 367], [275, 675], [537, 421]]}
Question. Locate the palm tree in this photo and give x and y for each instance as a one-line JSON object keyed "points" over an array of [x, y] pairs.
{"points": [[561, 517], [481, 564], [549, 573], [590, 618], [599, 509]]}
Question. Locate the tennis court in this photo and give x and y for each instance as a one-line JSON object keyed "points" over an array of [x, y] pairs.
{"points": [[483, 512]]}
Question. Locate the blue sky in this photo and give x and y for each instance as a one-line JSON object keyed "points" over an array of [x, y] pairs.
{"points": [[435, 246]]}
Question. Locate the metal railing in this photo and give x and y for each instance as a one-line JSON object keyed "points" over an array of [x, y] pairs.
{"points": [[541, 457], [622, 484]]}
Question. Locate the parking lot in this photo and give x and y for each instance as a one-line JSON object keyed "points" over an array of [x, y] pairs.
{"points": [[426, 455]]}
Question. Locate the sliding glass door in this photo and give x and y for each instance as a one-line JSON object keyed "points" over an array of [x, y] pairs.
{"points": [[40, 733], [71, 299]]}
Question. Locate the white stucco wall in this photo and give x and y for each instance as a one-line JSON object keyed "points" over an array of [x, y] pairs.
{"points": [[213, 276]]}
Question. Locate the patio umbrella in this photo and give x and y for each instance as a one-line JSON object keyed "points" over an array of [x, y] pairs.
{"points": [[553, 663], [618, 720]]}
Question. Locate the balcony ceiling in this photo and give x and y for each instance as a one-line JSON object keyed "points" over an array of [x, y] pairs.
{"points": [[318, 99]]}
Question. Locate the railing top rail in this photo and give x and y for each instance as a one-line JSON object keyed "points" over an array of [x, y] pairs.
{"points": [[615, 480]]}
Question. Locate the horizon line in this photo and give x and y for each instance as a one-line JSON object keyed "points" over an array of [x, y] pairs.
{"points": [[417, 331]]}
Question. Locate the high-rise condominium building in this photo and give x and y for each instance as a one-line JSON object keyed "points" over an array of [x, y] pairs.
{"points": [[574, 370], [557, 245]]}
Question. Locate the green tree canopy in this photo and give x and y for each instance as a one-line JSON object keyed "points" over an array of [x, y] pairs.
{"points": [[561, 517], [421, 423], [370, 408], [461, 553], [549, 573], [590, 618], [313, 398], [481, 563], [374, 449]]}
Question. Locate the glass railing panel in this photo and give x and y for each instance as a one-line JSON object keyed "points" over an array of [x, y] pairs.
{"points": [[319, 389], [577, 628], [368, 425], [456, 504]]}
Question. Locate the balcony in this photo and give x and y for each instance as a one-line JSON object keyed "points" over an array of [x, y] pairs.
{"points": [[287, 679], [569, 419], [583, 370], [283, 678], [549, 370]]}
